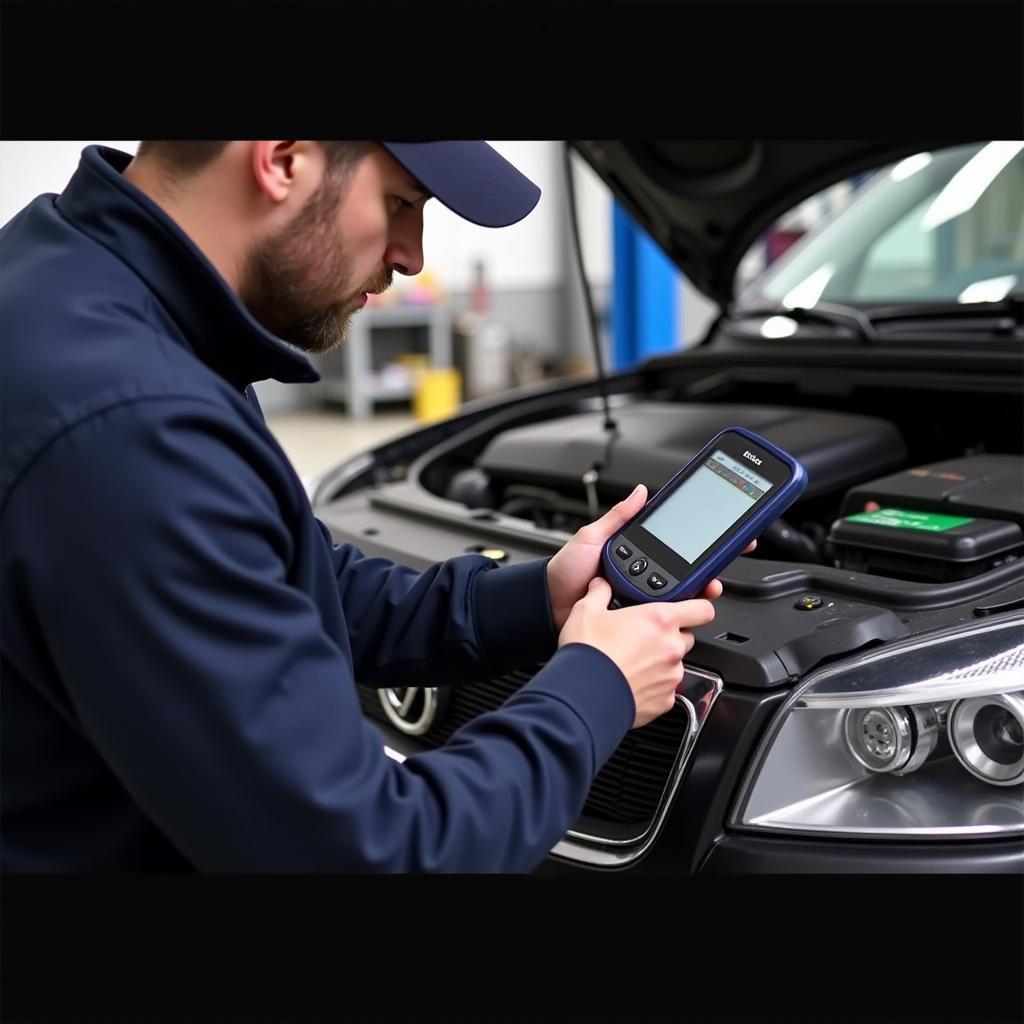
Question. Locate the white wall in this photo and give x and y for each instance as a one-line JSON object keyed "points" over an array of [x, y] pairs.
{"points": [[696, 311], [28, 169]]}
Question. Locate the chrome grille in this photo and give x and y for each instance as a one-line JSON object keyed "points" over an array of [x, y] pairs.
{"points": [[628, 788]]}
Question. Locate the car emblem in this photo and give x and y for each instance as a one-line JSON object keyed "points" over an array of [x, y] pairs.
{"points": [[413, 709]]}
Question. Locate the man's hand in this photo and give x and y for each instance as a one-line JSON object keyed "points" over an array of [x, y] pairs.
{"points": [[647, 642], [570, 571], [579, 561]]}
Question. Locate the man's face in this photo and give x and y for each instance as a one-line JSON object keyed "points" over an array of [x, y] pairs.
{"points": [[304, 282]]}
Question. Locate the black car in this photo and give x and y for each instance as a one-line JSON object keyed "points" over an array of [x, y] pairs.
{"points": [[858, 702]]}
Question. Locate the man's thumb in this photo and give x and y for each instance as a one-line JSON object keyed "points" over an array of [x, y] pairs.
{"points": [[629, 506], [599, 586]]}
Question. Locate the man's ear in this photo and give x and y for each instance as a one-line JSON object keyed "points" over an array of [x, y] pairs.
{"points": [[281, 167]]}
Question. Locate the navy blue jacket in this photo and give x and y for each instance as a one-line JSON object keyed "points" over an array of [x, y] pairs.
{"points": [[180, 636]]}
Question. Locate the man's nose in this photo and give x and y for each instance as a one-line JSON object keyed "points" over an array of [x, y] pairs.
{"points": [[405, 250]]}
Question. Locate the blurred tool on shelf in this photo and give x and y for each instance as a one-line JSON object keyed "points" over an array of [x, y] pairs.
{"points": [[483, 344], [438, 393]]}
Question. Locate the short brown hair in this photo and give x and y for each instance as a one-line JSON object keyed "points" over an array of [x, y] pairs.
{"points": [[182, 158]]}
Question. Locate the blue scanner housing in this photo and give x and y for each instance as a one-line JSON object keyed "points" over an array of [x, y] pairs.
{"points": [[666, 574]]}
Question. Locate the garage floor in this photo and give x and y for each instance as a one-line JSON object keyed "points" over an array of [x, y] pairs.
{"points": [[316, 441]]}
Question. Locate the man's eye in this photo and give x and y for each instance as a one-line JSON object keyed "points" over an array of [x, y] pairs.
{"points": [[399, 204]]}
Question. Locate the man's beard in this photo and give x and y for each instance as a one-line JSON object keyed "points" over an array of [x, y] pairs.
{"points": [[287, 276]]}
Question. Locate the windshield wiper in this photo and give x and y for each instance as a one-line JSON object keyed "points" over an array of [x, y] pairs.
{"points": [[1011, 308], [822, 312]]}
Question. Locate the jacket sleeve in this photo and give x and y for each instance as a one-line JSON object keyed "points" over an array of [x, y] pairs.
{"points": [[155, 560], [458, 620]]}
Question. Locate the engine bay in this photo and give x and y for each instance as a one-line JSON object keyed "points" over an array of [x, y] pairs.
{"points": [[943, 543], [867, 507]]}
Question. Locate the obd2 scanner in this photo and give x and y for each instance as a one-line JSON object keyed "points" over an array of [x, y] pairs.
{"points": [[719, 502]]}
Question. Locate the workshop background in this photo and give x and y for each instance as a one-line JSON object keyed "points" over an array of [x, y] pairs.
{"points": [[493, 309]]}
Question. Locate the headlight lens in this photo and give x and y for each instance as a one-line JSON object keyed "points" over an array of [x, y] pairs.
{"points": [[897, 740], [987, 734], [922, 739]]}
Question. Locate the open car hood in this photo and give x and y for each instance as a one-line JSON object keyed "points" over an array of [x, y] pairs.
{"points": [[706, 203]]}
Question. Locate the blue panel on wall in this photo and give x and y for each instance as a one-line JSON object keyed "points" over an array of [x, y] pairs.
{"points": [[623, 289], [645, 295]]}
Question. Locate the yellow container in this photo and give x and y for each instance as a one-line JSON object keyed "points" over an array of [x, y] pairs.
{"points": [[438, 394]]}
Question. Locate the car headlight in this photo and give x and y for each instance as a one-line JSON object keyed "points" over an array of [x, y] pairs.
{"points": [[897, 740], [921, 739], [987, 734]]}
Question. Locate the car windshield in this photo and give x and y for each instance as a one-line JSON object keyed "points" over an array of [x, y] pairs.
{"points": [[946, 226]]}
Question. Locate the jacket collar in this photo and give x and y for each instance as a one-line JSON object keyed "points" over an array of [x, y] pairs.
{"points": [[218, 328]]}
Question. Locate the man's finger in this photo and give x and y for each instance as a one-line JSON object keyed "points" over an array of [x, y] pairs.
{"points": [[698, 612], [621, 513]]}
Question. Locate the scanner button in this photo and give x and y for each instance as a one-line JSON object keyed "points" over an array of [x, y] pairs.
{"points": [[656, 582], [809, 602], [638, 567], [623, 552]]}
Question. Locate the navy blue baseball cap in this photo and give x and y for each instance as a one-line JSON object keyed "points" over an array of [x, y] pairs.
{"points": [[471, 178]]}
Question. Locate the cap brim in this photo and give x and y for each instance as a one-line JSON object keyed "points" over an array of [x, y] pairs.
{"points": [[471, 178]]}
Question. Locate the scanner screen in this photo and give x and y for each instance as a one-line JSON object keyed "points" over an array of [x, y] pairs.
{"points": [[706, 505]]}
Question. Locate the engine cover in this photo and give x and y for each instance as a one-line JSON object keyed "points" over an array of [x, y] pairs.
{"points": [[655, 439]]}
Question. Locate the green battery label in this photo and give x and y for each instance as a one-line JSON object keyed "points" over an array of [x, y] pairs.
{"points": [[930, 521]]}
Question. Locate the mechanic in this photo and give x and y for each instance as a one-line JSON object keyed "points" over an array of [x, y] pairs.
{"points": [[180, 636]]}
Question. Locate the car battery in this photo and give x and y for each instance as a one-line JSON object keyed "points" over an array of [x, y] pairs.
{"points": [[923, 546], [987, 486]]}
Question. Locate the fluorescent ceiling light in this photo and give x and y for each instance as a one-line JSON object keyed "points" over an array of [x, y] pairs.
{"points": [[808, 291], [964, 189], [994, 289], [905, 168]]}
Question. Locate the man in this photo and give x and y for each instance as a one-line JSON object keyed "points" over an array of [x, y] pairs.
{"points": [[181, 638]]}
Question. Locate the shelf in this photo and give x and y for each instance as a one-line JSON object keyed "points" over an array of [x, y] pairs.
{"points": [[400, 316], [350, 378], [388, 392]]}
